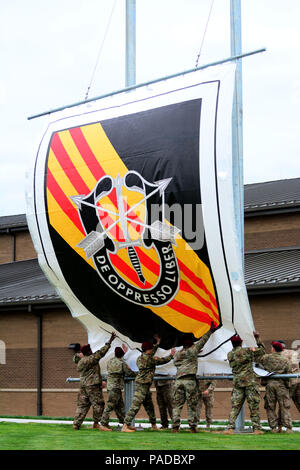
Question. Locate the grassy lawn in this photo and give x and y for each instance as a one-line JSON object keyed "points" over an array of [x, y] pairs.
{"points": [[39, 436]]}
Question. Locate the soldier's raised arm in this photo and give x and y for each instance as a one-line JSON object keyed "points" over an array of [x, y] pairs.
{"points": [[260, 350], [156, 346], [166, 359], [203, 340]]}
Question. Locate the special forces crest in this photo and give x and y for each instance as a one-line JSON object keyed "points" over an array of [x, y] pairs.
{"points": [[117, 218]]}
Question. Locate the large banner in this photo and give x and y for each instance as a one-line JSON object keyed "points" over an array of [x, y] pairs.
{"points": [[131, 213]]}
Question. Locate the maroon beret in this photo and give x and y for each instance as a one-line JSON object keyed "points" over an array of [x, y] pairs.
{"points": [[146, 345], [119, 352], [236, 339], [86, 350], [277, 346]]}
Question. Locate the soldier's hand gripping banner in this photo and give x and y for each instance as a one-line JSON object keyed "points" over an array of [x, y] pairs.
{"points": [[132, 216]]}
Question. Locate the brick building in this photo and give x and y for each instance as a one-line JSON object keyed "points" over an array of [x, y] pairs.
{"points": [[36, 328]]}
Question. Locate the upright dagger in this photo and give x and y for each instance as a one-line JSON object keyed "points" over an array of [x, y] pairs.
{"points": [[129, 244]]}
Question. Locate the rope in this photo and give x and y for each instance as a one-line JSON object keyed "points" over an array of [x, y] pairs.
{"points": [[100, 50], [198, 56]]}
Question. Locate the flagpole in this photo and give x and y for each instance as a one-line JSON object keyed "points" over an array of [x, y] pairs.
{"points": [[237, 121], [130, 81], [130, 58], [237, 145]]}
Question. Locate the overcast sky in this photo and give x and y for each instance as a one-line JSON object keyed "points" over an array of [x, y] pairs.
{"points": [[49, 49]]}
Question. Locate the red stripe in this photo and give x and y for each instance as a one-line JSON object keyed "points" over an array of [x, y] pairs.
{"points": [[196, 280], [148, 262], [187, 288], [86, 152], [89, 158], [190, 312], [128, 271], [63, 201], [67, 165]]}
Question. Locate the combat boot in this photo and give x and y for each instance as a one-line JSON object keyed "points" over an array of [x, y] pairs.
{"points": [[76, 427], [279, 429], [258, 431], [154, 427], [127, 428], [228, 431], [194, 430], [96, 426], [104, 428], [175, 430]]}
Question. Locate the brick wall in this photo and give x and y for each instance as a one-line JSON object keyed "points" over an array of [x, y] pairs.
{"points": [[6, 248], [277, 317], [272, 231], [24, 248]]}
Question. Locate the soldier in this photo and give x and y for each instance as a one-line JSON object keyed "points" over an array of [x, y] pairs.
{"points": [[245, 382], [117, 369], [146, 363], [164, 398], [185, 387], [90, 393], [206, 397], [293, 357], [277, 390]]}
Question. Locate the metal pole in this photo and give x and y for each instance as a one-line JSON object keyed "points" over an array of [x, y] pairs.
{"points": [[130, 59], [271, 376], [151, 82], [128, 396], [39, 363], [130, 80], [237, 144], [237, 122]]}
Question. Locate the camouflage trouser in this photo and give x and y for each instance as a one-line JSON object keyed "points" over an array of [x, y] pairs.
{"points": [[114, 403], [277, 392], [185, 390], [142, 396], [165, 402], [208, 402], [238, 397], [89, 396], [295, 395]]}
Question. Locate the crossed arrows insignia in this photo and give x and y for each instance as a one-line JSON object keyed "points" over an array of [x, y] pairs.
{"points": [[162, 231]]}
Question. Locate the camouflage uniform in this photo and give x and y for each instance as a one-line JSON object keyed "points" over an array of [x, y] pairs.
{"points": [[245, 383], [142, 395], [90, 393], [185, 387], [277, 390], [117, 369], [164, 397], [207, 400], [294, 358]]}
